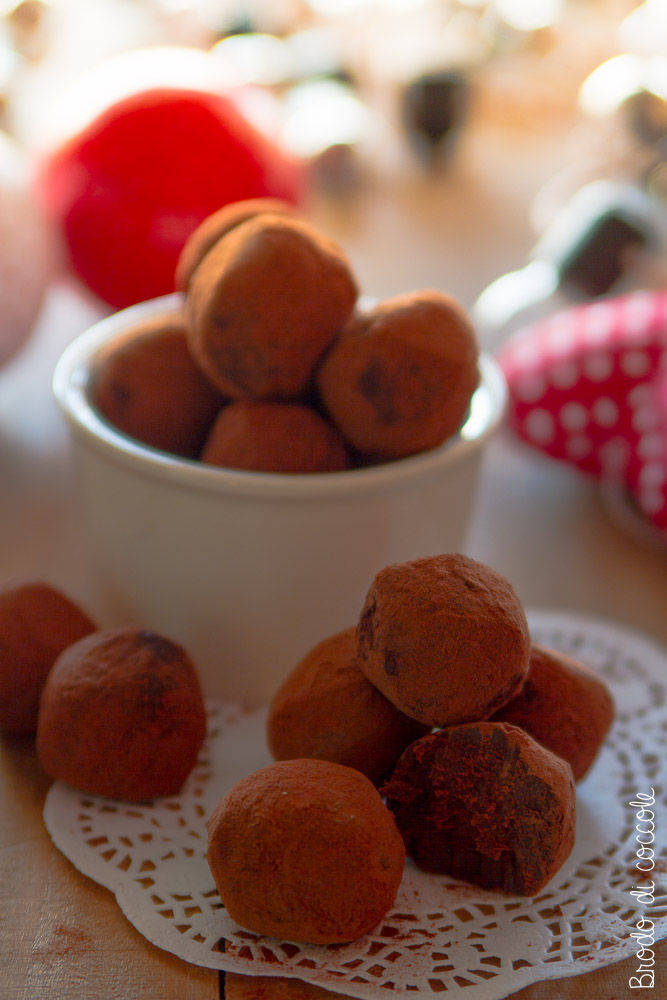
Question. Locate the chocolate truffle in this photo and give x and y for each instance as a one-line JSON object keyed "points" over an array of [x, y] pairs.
{"points": [[327, 709], [274, 437], [400, 377], [305, 850], [36, 623], [564, 705], [214, 227], [122, 715], [147, 385], [445, 639], [264, 304], [486, 803]]}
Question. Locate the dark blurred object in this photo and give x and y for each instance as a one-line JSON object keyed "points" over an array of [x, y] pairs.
{"points": [[605, 251], [646, 113], [337, 170], [609, 238], [434, 110], [625, 129]]}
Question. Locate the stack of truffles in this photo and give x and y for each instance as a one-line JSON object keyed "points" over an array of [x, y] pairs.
{"points": [[275, 366], [469, 738], [434, 728]]}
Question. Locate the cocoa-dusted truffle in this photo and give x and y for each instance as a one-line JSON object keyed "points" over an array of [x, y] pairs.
{"points": [[37, 622], [327, 709], [486, 803], [274, 437], [264, 304], [445, 638], [305, 850], [400, 378], [564, 705], [214, 227], [122, 715], [148, 386]]}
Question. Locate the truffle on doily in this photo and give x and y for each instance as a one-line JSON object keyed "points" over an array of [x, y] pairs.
{"points": [[326, 708], [445, 638], [305, 850], [122, 715], [564, 705], [486, 803]]}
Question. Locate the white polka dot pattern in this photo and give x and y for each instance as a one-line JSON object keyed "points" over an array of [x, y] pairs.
{"points": [[588, 386], [573, 416], [540, 426], [605, 411]]}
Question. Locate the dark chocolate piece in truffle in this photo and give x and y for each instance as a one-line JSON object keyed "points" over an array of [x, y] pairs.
{"points": [[486, 803]]}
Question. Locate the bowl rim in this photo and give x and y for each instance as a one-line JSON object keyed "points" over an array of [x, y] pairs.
{"points": [[71, 385]]}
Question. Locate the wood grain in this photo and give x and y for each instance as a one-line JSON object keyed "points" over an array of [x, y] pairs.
{"points": [[608, 983], [63, 937]]}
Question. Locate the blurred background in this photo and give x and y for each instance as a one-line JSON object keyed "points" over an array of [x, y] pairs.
{"points": [[469, 127], [512, 153]]}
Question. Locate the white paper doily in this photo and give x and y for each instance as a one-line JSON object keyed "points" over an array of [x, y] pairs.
{"points": [[441, 936]]}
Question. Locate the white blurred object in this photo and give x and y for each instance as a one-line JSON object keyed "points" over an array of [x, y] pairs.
{"points": [[74, 104], [644, 30], [27, 252], [530, 16], [617, 79], [256, 58], [323, 113]]}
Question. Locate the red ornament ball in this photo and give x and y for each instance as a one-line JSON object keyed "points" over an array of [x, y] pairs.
{"points": [[129, 187]]}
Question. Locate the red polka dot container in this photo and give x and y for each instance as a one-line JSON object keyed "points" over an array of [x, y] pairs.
{"points": [[588, 386]]}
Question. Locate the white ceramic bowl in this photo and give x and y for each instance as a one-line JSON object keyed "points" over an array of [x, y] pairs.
{"points": [[248, 570]]}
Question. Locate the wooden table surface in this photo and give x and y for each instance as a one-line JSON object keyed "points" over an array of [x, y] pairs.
{"points": [[62, 936]]}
